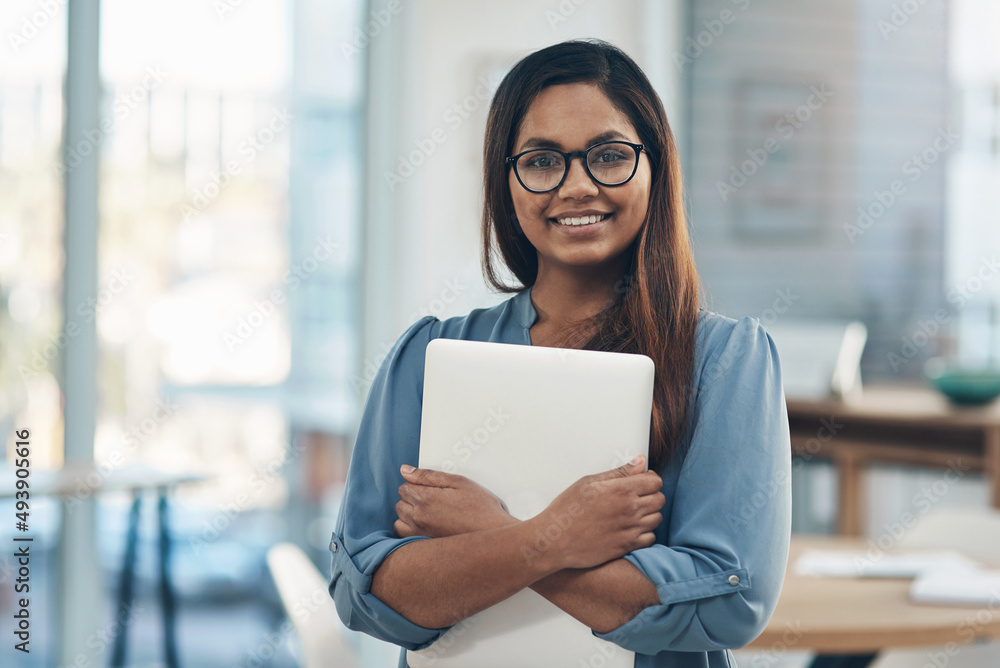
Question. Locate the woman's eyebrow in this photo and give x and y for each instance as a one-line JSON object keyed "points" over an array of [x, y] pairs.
{"points": [[542, 142], [606, 136]]}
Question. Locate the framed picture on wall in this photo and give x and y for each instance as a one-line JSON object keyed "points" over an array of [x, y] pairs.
{"points": [[776, 181]]}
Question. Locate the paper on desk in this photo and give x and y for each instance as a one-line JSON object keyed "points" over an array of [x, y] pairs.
{"points": [[976, 587], [869, 564]]}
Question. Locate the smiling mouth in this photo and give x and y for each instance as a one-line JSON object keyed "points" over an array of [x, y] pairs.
{"points": [[580, 221]]}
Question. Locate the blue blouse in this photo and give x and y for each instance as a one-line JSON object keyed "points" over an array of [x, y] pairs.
{"points": [[720, 553]]}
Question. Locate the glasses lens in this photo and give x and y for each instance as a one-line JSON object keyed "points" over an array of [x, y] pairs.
{"points": [[541, 170], [612, 163]]}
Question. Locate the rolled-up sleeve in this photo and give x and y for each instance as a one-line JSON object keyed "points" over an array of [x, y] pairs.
{"points": [[388, 437], [719, 564]]}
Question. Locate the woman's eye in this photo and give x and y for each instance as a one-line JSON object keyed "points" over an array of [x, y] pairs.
{"points": [[543, 161], [610, 156]]}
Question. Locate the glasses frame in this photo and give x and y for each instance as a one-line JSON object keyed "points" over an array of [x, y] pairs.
{"points": [[568, 157]]}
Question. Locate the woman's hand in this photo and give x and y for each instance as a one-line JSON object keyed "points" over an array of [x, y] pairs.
{"points": [[436, 504], [600, 517]]}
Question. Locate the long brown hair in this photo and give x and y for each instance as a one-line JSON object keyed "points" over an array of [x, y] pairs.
{"points": [[655, 309]]}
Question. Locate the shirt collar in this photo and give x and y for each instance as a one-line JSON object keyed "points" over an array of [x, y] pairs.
{"points": [[524, 310]]}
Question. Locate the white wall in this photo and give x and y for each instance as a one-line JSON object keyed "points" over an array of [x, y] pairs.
{"points": [[973, 235], [423, 235]]}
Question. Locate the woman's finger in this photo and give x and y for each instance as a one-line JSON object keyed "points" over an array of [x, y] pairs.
{"points": [[648, 483], [650, 522], [652, 502], [402, 529], [410, 493], [430, 477], [645, 539], [404, 510], [641, 484]]}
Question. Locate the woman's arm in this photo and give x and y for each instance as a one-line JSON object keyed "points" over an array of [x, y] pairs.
{"points": [[715, 581], [604, 597], [719, 570], [441, 581]]}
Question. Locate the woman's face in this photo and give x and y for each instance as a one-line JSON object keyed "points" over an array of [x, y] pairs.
{"points": [[574, 117]]}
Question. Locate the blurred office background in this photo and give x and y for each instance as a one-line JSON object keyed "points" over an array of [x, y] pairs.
{"points": [[284, 186]]}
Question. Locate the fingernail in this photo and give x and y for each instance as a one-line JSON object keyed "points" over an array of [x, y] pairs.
{"points": [[635, 461], [406, 468]]}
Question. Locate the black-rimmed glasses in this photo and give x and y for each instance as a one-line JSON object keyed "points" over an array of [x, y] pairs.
{"points": [[610, 163]]}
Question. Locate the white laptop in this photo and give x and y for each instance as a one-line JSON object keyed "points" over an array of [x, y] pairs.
{"points": [[526, 422]]}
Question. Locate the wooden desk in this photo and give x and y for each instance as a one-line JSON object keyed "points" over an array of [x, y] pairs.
{"points": [[910, 426], [865, 615], [83, 479]]}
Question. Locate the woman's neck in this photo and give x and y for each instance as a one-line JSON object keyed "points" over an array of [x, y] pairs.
{"points": [[563, 298]]}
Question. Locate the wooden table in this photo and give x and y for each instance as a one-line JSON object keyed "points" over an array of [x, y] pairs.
{"points": [[900, 425], [81, 480], [864, 615], [86, 479]]}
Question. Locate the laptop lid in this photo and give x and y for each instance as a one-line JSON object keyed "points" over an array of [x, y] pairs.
{"points": [[526, 422]]}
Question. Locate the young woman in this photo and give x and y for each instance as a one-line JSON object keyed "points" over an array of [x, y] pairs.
{"points": [[678, 563]]}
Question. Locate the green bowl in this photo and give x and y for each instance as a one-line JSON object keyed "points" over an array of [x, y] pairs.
{"points": [[968, 387]]}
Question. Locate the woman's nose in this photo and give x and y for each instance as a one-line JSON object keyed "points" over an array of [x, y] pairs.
{"points": [[577, 183]]}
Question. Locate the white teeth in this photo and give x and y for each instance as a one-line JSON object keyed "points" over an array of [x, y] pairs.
{"points": [[583, 220]]}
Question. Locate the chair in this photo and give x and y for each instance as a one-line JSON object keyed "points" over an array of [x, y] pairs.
{"points": [[976, 533], [306, 599], [819, 358], [971, 530]]}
